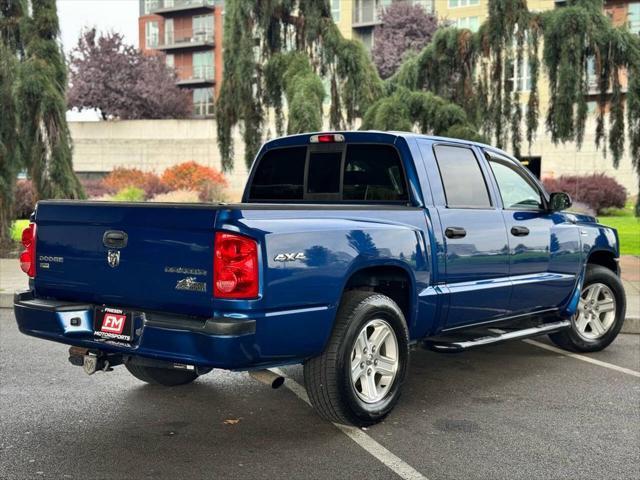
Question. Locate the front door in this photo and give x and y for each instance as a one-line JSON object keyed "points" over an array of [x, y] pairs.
{"points": [[475, 240], [544, 249]]}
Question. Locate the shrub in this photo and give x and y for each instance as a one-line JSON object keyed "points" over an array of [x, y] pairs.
{"points": [[211, 192], [191, 176], [94, 188], [598, 191], [24, 199], [121, 177], [129, 194], [177, 196]]}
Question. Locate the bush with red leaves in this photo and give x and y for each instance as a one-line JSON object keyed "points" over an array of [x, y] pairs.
{"points": [[94, 187], [24, 199], [121, 177], [192, 176], [598, 191]]}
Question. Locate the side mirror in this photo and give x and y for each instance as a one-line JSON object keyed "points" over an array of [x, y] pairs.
{"points": [[559, 201]]}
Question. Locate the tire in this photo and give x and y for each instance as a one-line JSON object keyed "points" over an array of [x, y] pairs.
{"points": [[579, 339], [161, 376], [328, 377]]}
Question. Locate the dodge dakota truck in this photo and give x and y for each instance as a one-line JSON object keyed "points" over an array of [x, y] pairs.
{"points": [[348, 249]]}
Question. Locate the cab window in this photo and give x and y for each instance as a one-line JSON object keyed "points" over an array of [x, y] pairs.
{"points": [[517, 191]]}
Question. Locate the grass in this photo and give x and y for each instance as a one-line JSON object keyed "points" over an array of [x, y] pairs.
{"points": [[628, 227], [17, 228]]}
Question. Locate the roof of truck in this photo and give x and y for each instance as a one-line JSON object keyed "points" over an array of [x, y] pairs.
{"points": [[376, 135]]}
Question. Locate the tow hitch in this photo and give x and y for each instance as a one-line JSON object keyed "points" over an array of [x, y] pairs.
{"points": [[93, 361]]}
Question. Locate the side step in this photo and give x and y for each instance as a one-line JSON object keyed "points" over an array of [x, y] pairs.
{"points": [[454, 346]]}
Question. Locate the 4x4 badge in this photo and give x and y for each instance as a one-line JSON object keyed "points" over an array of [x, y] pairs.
{"points": [[113, 257], [290, 257]]}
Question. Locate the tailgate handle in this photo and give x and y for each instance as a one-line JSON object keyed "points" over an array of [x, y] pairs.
{"points": [[115, 239]]}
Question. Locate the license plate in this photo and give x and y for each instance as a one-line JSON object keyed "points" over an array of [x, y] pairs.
{"points": [[113, 324]]}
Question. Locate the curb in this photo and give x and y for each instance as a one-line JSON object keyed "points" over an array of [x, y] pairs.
{"points": [[631, 324], [6, 300]]}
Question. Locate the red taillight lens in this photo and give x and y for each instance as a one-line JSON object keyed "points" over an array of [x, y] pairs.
{"points": [[28, 256], [235, 266]]}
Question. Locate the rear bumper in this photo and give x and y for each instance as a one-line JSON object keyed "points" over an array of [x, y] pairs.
{"points": [[219, 342]]}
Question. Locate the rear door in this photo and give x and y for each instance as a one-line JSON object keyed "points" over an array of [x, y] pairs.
{"points": [[475, 241], [543, 248]]}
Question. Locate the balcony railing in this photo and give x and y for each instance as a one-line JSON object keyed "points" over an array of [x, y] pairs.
{"points": [[197, 74], [169, 6], [187, 38]]}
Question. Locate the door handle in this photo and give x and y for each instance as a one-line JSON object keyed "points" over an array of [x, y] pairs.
{"points": [[455, 232], [519, 231], [115, 239]]}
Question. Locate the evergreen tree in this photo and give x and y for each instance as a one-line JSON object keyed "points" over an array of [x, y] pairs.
{"points": [[458, 67], [40, 92], [11, 12]]}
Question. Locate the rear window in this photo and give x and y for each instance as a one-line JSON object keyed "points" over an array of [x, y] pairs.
{"points": [[361, 173], [463, 181], [280, 175]]}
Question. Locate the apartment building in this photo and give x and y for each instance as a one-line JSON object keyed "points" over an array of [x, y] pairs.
{"points": [[189, 35], [358, 18]]}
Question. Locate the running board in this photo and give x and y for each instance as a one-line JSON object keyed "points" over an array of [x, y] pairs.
{"points": [[462, 345]]}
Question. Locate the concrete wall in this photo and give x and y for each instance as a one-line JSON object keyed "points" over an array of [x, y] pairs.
{"points": [[152, 145]]}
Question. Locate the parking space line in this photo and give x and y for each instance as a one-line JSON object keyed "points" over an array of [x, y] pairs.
{"points": [[583, 358], [394, 463]]}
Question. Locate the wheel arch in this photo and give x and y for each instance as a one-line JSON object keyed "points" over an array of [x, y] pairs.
{"points": [[393, 279], [604, 258]]}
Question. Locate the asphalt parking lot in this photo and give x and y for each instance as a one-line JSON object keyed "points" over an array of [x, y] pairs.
{"points": [[512, 411]]}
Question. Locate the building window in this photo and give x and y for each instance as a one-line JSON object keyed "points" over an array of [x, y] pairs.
{"points": [[203, 27], [203, 65], [150, 5], [335, 10], [426, 4], [169, 38], [170, 61], [522, 75], [203, 102], [463, 3], [472, 23], [151, 34], [634, 18]]}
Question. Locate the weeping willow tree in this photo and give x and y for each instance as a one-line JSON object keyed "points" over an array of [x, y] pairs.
{"points": [[11, 12], [461, 84], [40, 92]]}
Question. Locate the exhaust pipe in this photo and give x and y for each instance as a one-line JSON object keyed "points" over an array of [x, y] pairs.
{"points": [[267, 377]]}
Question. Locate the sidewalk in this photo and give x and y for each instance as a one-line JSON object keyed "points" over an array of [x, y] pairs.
{"points": [[12, 279]]}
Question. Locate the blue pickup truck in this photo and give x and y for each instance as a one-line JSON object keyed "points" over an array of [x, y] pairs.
{"points": [[347, 250]]}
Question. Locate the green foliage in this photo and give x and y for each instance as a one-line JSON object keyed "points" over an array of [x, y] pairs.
{"points": [[16, 229], [298, 46], [11, 12], [40, 90], [129, 194], [459, 84]]}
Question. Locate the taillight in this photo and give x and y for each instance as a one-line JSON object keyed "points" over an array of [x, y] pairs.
{"points": [[28, 256], [327, 138], [235, 266]]}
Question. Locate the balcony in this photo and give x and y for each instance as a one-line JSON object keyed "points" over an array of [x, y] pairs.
{"points": [[187, 39], [196, 76], [169, 8], [366, 13]]}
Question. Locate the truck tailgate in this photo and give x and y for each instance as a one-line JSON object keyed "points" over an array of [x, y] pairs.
{"points": [[166, 263]]}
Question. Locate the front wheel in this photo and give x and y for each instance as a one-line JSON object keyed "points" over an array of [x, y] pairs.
{"points": [[357, 379], [600, 314]]}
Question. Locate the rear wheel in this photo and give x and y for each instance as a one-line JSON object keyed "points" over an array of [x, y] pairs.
{"points": [[358, 377], [600, 314], [161, 376]]}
